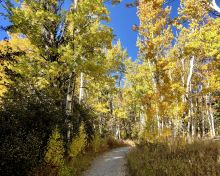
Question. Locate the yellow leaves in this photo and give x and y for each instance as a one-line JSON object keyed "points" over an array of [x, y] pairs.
{"points": [[55, 150], [17, 42], [41, 83], [78, 143], [120, 113], [166, 132], [156, 34], [177, 87], [91, 9], [194, 10], [115, 58], [3, 81], [101, 107], [6, 55]]}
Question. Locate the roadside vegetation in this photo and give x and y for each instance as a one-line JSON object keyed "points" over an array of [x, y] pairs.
{"points": [[79, 156], [177, 158]]}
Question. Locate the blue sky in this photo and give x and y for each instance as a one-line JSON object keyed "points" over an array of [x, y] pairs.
{"points": [[122, 19]]}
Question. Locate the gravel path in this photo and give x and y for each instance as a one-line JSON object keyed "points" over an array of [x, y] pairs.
{"points": [[109, 164]]}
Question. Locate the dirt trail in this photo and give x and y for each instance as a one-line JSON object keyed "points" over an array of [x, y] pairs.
{"points": [[111, 163]]}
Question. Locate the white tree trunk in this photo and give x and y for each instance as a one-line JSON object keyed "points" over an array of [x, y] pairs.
{"points": [[158, 123], [203, 124], [183, 72], [210, 115], [69, 102], [70, 93], [203, 117], [188, 91], [188, 128], [81, 89], [118, 133], [215, 6], [191, 66], [212, 123], [142, 118]]}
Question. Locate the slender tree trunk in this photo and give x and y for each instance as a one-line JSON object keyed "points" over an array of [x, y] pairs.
{"points": [[142, 119], [203, 124], [188, 128], [118, 132], [193, 127], [188, 95], [210, 115], [212, 122], [70, 102], [211, 118], [75, 4], [71, 84], [100, 125], [70, 93], [158, 123], [81, 89], [180, 126], [174, 128], [191, 66], [203, 117], [183, 96]]}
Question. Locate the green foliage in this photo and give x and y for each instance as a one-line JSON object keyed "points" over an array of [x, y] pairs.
{"points": [[160, 159], [26, 122], [66, 170], [54, 163], [96, 142], [78, 143], [55, 151], [46, 43]]}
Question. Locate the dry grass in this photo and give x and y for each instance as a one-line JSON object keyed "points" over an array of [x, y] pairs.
{"points": [[201, 158]]}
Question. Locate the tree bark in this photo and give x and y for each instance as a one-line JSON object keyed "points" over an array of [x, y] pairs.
{"points": [[81, 89], [70, 93]]}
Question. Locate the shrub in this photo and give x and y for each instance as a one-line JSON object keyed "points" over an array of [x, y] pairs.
{"points": [[113, 143], [55, 150], [25, 127], [78, 143], [54, 156], [96, 142]]}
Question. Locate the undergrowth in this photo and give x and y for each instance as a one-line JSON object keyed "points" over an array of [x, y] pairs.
{"points": [[200, 158], [79, 157]]}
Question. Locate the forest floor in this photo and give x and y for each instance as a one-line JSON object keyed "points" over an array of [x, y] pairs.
{"points": [[112, 163]]}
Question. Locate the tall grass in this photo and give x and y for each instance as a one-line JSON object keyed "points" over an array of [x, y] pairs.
{"points": [[201, 158]]}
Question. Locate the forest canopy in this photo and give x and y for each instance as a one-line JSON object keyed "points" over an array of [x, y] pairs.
{"points": [[63, 81]]}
